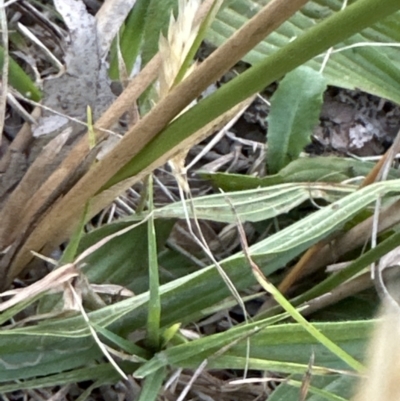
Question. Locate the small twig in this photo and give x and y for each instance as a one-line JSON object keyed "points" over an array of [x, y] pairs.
{"points": [[9, 3], [188, 386], [52, 58], [217, 137], [305, 383]]}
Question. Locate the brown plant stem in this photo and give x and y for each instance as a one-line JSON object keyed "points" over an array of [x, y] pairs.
{"points": [[54, 226]]}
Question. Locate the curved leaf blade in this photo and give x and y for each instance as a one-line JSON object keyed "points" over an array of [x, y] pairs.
{"points": [[295, 110], [373, 70]]}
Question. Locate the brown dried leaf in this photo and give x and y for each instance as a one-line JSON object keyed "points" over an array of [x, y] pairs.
{"points": [[53, 281]]}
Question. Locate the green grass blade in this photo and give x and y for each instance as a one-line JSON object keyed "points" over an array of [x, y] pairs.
{"points": [[122, 343], [154, 313], [234, 361], [305, 169], [152, 385], [331, 388], [103, 372], [282, 346], [310, 328], [71, 250], [322, 394]]}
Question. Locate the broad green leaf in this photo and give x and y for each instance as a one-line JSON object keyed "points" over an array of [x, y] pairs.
{"points": [[190, 294], [307, 169], [203, 288], [372, 69], [152, 386], [273, 345], [123, 260], [105, 372], [254, 204], [157, 19], [57, 345], [295, 110], [25, 356], [124, 268]]}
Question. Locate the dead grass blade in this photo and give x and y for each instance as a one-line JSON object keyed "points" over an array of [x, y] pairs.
{"points": [[71, 164], [174, 50], [12, 164], [305, 383], [96, 338], [68, 168], [51, 281]]}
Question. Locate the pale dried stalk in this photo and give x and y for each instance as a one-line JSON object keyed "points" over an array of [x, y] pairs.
{"points": [[55, 225], [52, 281], [383, 361], [174, 50]]}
